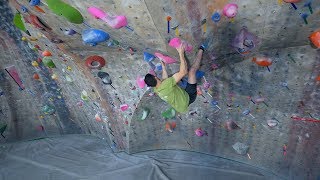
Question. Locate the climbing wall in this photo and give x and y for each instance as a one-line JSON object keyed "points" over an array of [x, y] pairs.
{"points": [[263, 115]]}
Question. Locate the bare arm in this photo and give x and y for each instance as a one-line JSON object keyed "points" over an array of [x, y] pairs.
{"points": [[164, 71], [183, 65]]}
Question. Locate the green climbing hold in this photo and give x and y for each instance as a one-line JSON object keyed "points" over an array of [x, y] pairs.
{"points": [[17, 21], [169, 113], [63, 9], [3, 128], [145, 113], [47, 61], [47, 109]]}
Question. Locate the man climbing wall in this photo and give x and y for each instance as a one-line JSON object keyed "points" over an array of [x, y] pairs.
{"points": [[167, 88]]}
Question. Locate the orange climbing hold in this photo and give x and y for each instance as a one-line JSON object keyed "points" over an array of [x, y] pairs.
{"points": [[315, 38], [169, 18], [46, 53], [262, 61], [36, 76], [37, 8], [318, 78]]}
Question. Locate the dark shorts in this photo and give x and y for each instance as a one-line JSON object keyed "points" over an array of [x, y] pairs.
{"points": [[191, 89]]}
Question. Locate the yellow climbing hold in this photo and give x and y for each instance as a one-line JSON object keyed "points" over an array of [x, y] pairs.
{"points": [[34, 64], [69, 68], [24, 38]]}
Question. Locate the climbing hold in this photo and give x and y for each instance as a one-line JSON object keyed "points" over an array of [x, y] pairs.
{"points": [[240, 148], [17, 21], [199, 132], [145, 113], [36, 76], [24, 9], [84, 95], [37, 47], [69, 68], [165, 59], [231, 125], [47, 109], [46, 53], [105, 78], [24, 39], [95, 62], [140, 82], [315, 38], [230, 10], [97, 117], [12, 71], [47, 61], [176, 43], [169, 113], [34, 2], [115, 22], [124, 107], [272, 123], [148, 57], [54, 76], [168, 127], [318, 78], [39, 9], [63, 9], [70, 32], [262, 61], [247, 112], [215, 104], [3, 128], [34, 64], [94, 36], [244, 41], [216, 17]]}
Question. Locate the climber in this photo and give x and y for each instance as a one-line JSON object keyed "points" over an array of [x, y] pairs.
{"points": [[167, 88]]}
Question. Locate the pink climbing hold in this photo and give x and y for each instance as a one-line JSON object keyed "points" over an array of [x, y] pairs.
{"points": [[124, 107], [96, 12], [165, 59], [176, 42], [140, 82], [199, 132], [230, 10], [115, 22]]}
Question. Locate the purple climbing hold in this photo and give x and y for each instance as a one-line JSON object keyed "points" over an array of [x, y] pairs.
{"points": [[244, 41]]}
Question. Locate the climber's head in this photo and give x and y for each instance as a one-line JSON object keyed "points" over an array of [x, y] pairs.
{"points": [[152, 80]]}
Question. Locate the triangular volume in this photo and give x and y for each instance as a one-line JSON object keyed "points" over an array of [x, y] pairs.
{"points": [[12, 71]]}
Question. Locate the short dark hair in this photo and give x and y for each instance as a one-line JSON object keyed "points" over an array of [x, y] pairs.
{"points": [[150, 80]]}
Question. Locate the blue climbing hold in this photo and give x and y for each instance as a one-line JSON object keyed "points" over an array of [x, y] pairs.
{"points": [[24, 9], [148, 57], [216, 17], [94, 36], [199, 74], [34, 2]]}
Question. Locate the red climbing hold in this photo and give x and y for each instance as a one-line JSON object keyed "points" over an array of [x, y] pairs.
{"points": [[36, 76], [46, 53], [95, 62]]}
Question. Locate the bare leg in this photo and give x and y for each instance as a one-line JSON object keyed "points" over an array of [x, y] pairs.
{"points": [[194, 68]]}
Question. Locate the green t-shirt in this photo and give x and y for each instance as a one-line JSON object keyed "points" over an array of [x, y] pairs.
{"points": [[170, 92]]}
